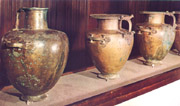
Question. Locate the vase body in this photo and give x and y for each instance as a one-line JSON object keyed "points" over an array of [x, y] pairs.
{"points": [[110, 45], [155, 38], [34, 56], [177, 38]]}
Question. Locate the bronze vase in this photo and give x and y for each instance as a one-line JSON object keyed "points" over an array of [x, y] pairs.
{"points": [[177, 38], [155, 38], [34, 56], [110, 45]]}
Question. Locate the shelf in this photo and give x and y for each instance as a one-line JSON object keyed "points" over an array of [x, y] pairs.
{"points": [[84, 88], [164, 96]]}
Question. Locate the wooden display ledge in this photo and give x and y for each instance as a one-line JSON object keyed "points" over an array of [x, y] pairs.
{"points": [[84, 88]]}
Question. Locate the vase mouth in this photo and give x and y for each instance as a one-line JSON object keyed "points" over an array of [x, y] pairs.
{"points": [[109, 16], [153, 12], [34, 8]]}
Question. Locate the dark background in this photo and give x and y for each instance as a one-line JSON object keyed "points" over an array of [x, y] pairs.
{"points": [[72, 17]]}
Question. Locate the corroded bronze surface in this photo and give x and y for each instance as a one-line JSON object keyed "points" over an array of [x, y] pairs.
{"points": [[110, 46], [155, 38], [177, 38], [34, 57]]}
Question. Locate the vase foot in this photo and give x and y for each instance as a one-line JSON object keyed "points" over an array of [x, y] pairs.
{"points": [[178, 53], [108, 76], [30, 99], [152, 63]]}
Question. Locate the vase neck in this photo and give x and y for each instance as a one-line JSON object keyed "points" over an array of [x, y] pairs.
{"points": [[108, 24], [156, 18], [36, 19]]}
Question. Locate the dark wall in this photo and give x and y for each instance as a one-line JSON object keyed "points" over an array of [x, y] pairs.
{"points": [[72, 17]]}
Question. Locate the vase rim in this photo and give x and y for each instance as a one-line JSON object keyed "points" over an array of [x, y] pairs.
{"points": [[33, 8], [109, 16], [153, 12], [177, 12]]}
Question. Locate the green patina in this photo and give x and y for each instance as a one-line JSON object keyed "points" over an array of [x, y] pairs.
{"points": [[30, 67], [22, 61], [39, 58], [168, 38], [16, 54], [30, 51], [18, 67], [46, 66], [24, 66], [22, 84], [12, 57], [168, 44], [28, 81], [44, 54], [120, 59], [33, 77], [59, 67], [9, 54]]}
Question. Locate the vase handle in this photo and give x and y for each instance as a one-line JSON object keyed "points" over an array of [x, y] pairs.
{"points": [[174, 18], [17, 19], [128, 19], [9, 44], [14, 45]]}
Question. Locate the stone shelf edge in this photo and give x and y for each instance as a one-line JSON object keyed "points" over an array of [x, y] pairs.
{"points": [[85, 85]]}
